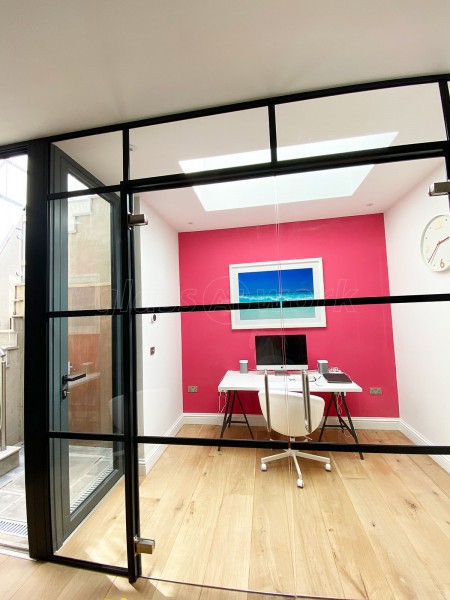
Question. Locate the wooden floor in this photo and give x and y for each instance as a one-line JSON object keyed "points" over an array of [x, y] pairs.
{"points": [[378, 528]]}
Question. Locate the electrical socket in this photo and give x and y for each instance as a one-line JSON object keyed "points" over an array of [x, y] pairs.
{"points": [[192, 388], [375, 391]]}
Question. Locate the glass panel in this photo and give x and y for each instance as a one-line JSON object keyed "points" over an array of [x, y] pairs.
{"points": [[99, 529], [90, 464], [97, 158], [363, 120], [89, 253], [376, 241], [209, 499], [13, 191], [86, 260], [183, 255], [218, 141], [89, 397], [13, 188], [92, 402], [189, 382], [359, 220]]}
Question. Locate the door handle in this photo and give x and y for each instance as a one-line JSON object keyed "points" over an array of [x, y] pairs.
{"points": [[67, 378]]}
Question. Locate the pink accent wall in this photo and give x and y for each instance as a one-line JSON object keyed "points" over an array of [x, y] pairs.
{"points": [[358, 339]]}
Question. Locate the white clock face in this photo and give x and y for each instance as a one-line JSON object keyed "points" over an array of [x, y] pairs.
{"points": [[436, 243]]}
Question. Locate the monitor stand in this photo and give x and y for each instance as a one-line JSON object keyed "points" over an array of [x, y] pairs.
{"points": [[281, 373]]}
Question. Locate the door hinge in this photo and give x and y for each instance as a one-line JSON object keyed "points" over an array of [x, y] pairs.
{"points": [[143, 545], [137, 221]]}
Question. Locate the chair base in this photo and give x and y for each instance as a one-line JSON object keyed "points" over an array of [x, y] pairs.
{"points": [[294, 454]]}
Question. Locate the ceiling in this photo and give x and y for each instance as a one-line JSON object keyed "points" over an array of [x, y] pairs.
{"points": [[68, 66], [73, 65]]}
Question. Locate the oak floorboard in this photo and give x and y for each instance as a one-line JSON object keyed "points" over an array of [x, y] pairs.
{"points": [[348, 464], [44, 582], [101, 537], [417, 481], [408, 577], [434, 471], [14, 574], [271, 565], [315, 568], [197, 531], [165, 520], [359, 569], [229, 558]]}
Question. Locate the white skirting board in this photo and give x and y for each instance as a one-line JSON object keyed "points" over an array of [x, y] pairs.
{"points": [[420, 440], [145, 464], [358, 422]]}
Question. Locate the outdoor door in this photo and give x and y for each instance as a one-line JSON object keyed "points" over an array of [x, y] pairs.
{"points": [[85, 369]]}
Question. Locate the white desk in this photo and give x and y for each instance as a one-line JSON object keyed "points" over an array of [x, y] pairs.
{"points": [[253, 381]]}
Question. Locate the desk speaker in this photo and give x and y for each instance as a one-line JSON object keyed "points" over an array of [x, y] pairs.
{"points": [[322, 366], [243, 366]]}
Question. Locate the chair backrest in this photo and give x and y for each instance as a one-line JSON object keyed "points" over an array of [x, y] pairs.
{"points": [[287, 413]]}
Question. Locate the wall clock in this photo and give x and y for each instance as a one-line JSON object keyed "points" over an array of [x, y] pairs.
{"points": [[435, 245]]}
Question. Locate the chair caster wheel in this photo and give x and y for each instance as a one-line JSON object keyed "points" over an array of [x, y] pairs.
{"points": [[328, 466], [300, 483], [263, 467]]}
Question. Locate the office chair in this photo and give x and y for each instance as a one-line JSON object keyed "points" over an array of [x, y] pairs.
{"points": [[287, 416]]}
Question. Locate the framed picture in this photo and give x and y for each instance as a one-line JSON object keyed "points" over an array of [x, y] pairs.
{"points": [[300, 279]]}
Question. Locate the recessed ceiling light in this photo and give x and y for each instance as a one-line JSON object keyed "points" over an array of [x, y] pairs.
{"points": [[299, 187]]}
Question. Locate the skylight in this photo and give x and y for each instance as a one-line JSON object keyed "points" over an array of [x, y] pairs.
{"points": [[299, 187]]}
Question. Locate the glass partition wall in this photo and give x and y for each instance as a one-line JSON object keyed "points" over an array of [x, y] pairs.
{"points": [[289, 296]]}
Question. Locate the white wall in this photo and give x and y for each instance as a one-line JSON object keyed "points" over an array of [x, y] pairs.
{"points": [[159, 376], [421, 331]]}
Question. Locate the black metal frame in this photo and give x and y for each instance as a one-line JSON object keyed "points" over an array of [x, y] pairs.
{"points": [[37, 432], [334, 401]]}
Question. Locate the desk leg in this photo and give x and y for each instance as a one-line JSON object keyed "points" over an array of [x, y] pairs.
{"points": [[342, 424], [351, 428], [245, 416], [228, 413], [330, 402]]}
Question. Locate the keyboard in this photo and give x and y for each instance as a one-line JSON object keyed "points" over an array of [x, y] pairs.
{"points": [[286, 377]]}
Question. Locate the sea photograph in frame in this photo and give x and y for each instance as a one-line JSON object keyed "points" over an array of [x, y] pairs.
{"points": [[300, 279]]}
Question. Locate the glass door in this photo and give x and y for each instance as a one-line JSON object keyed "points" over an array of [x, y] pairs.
{"points": [[85, 381]]}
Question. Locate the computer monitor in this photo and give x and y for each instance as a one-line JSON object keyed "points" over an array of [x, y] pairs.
{"points": [[281, 352]]}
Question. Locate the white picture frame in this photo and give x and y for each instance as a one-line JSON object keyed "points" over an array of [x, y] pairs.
{"points": [[273, 281]]}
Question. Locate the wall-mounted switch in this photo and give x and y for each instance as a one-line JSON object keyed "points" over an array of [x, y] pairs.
{"points": [[375, 391], [152, 350], [192, 388]]}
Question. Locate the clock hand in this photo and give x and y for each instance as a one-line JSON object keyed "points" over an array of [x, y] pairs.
{"points": [[434, 252], [437, 246]]}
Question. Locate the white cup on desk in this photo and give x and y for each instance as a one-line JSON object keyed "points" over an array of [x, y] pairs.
{"points": [[243, 366]]}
